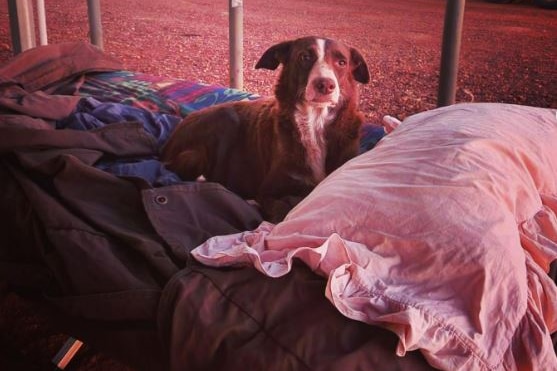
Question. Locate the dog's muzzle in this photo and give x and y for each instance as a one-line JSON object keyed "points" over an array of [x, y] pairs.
{"points": [[323, 91]]}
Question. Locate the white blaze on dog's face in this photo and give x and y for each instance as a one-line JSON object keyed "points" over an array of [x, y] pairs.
{"points": [[322, 87]]}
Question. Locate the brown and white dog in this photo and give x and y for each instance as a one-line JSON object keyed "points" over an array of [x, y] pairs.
{"points": [[275, 150]]}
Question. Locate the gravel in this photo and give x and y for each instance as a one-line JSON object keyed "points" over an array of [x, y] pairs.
{"points": [[508, 51]]}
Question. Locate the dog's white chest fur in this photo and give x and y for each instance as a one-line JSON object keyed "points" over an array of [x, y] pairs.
{"points": [[311, 122]]}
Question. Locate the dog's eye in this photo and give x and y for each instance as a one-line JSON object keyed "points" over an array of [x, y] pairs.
{"points": [[305, 57], [342, 62]]}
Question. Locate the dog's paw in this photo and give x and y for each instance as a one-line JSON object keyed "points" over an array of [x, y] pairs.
{"points": [[275, 210], [390, 123]]}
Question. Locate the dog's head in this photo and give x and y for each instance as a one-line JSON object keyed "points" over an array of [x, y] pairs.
{"points": [[317, 71]]}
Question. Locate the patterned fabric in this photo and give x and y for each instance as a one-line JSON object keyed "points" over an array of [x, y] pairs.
{"points": [[178, 97], [157, 94]]}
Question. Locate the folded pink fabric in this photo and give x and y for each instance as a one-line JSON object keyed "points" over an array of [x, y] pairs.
{"points": [[443, 234]]}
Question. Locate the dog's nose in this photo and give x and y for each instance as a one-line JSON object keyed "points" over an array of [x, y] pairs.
{"points": [[324, 85]]}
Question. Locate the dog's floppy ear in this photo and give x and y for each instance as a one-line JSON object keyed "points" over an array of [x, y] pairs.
{"points": [[359, 67], [274, 56]]}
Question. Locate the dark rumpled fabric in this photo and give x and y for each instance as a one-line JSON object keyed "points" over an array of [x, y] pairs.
{"points": [[100, 247], [237, 319], [40, 82], [48, 67], [104, 223]]}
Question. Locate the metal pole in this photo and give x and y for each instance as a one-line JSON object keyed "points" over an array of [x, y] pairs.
{"points": [[21, 25], [41, 15], [95, 26], [236, 40], [454, 14]]}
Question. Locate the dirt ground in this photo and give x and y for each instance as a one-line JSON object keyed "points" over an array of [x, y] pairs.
{"points": [[508, 51], [508, 55]]}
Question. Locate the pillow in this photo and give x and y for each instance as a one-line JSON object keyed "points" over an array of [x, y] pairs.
{"points": [[443, 234]]}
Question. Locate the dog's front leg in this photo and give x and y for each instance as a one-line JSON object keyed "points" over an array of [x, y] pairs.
{"points": [[280, 192], [189, 164], [275, 210]]}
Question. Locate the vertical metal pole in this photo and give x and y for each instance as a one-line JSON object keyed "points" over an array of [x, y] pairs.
{"points": [[41, 15], [236, 39], [454, 14], [95, 26], [21, 25]]}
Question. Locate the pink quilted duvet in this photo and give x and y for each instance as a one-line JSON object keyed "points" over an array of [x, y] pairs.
{"points": [[443, 234]]}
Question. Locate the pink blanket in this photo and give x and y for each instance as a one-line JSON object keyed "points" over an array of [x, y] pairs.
{"points": [[443, 234]]}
